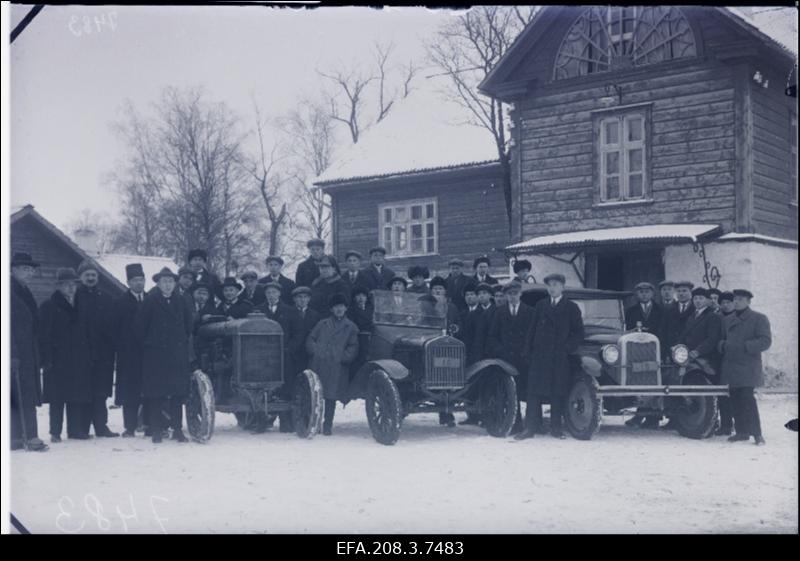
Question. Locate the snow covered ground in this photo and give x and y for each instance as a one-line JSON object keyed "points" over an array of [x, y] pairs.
{"points": [[433, 480]]}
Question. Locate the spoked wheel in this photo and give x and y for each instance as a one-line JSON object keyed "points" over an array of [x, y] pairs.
{"points": [[498, 403], [200, 407], [384, 408], [584, 408], [308, 405], [695, 415]]}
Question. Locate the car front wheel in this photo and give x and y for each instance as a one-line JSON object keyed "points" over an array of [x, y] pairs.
{"points": [[583, 408], [384, 408], [498, 403], [695, 415]]}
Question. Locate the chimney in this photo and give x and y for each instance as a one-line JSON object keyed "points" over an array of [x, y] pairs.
{"points": [[88, 241]]}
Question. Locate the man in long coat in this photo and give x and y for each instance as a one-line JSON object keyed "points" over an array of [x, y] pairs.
{"points": [[274, 265], [675, 318], [308, 320], [556, 331], [163, 327], [333, 345], [25, 384], [64, 346], [128, 392], [746, 334], [378, 276], [96, 306], [703, 332], [325, 286], [308, 270]]}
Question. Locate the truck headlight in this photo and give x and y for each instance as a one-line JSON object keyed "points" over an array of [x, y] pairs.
{"points": [[610, 354], [680, 354]]}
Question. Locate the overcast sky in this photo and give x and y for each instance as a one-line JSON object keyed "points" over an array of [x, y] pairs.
{"points": [[68, 85]]}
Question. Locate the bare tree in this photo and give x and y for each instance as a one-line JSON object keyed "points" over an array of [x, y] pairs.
{"points": [[352, 84], [466, 49], [99, 225]]}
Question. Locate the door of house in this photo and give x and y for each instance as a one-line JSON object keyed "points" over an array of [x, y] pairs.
{"points": [[622, 270]]}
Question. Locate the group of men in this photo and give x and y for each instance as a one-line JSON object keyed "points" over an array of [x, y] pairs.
{"points": [[80, 336], [725, 339]]}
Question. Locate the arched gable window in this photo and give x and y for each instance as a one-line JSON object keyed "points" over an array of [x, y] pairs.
{"points": [[610, 38]]}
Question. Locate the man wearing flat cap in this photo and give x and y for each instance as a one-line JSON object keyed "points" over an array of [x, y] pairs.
{"points": [[353, 276], [326, 285], [481, 266], [232, 305], [253, 291], [97, 307], [274, 266], [666, 292], [308, 270], [378, 275], [198, 263], [746, 334], [457, 281]]}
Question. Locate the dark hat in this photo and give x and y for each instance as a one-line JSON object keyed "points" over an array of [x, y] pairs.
{"points": [[198, 253], [455, 261], [231, 281], [700, 291], [727, 295], [66, 274], [644, 286], [165, 272], [185, 271], [352, 253], [742, 292], [359, 289], [521, 264], [438, 281], [513, 285], [378, 249], [20, 258], [277, 259], [481, 259], [133, 270], [469, 287], [558, 277], [684, 283], [249, 275], [326, 261], [198, 285], [497, 289], [274, 285], [87, 265], [664, 283], [716, 291], [337, 299], [398, 278], [301, 290], [418, 271], [482, 286], [315, 242]]}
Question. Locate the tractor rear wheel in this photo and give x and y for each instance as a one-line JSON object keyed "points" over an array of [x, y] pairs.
{"points": [[200, 407], [584, 408], [308, 406], [384, 408], [498, 403]]}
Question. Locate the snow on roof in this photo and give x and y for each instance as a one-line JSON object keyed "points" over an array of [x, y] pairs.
{"points": [[425, 131], [744, 236], [658, 232], [778, 23], [115, 263]]}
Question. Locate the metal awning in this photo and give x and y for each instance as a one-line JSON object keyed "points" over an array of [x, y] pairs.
{"points": [[656, 233]]}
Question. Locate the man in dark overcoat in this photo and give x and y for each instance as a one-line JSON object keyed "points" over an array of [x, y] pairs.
{"points": [[308, 270], [508, 338], [198, 263], [274, 266], [457, 281], [25, 384], [470, 318], [163, 327], [703, 332], [555, 333], [326, 285], [253, 290], [378, 276], [352, 275], [481, 266], [64, 346], [232, 305], [96, 306], [360, 313], [128, 392], [308, 319], [675, 318], [746, 334]]}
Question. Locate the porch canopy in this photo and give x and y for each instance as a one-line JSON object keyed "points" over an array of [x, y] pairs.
{"points": [[656, 233]]}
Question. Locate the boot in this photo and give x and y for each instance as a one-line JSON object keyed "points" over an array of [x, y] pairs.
{"points": [[157, 438], [179, 436], [55, 438], [524, 435], [128, 434], [760, 441], [36, 445], [105, 432]]}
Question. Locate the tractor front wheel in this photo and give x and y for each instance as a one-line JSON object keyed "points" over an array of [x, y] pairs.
{"points": [[308, 407], [200, 407]]}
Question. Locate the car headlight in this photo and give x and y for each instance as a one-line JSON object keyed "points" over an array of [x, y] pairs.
{"points": [[680, 354], [610, 354]]}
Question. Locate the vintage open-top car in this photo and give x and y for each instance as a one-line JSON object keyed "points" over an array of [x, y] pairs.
{"points": [[242, 370], [614, 370], [413, 366]]}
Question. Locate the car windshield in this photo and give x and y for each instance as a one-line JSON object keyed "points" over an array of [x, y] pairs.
{"points": [[407, 308], [601, 313]]}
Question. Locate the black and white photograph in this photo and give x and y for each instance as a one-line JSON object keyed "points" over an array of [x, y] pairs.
{"points": [[296, 268]]}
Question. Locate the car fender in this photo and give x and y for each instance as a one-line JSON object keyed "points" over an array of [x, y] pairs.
{"points": [[478, 367], [591, 366], [394, 369]]}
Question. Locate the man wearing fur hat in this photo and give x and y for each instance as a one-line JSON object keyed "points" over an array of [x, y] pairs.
{"points": [[274, 266], [522, 271], [232, 305], [418, 276], [308, 270], [96, 306]]}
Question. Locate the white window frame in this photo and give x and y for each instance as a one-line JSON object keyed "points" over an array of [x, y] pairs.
{"points": [[390, 244], [622, 147]]}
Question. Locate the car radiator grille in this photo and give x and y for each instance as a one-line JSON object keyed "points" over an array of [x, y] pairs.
{"points": [[444, 367], [261, 359], [642, 362]]}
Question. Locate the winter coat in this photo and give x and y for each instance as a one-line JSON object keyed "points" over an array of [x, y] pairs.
{"points": [[378, 280], [287, 285], [208, 309], [473, 334], [323, 289], [703, 334], [163, 328], [128, 350], [651, 323], [363, 321], [555, 333], [29, 300], [672, 325], [65, 352], [308, 271], [360, 280], [207, 277], [508, 336], [455, 289], [333, 345], [745, 336], [257, 297], [293, 337], [308, 320], [24, 354], [237, 309], [96, 307]]}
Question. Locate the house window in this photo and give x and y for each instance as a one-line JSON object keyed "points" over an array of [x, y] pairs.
{"points": [[409, 228], [621, 140], [607, 38]]}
